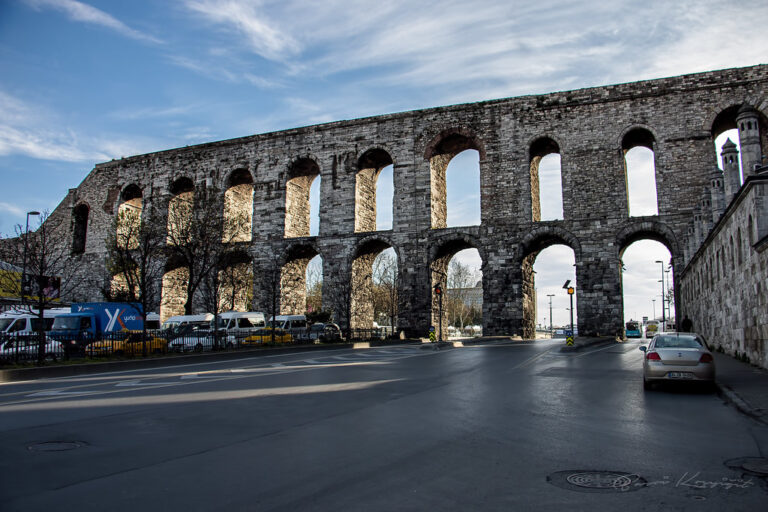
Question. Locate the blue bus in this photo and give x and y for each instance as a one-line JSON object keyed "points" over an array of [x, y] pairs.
{"points": [[633, 329]]}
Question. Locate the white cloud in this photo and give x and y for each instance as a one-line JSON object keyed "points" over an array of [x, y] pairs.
{"points": [[152, 112], [713, 35], [78, 11], [455, 51], [12, 209], [249, 20], [26, 130]]}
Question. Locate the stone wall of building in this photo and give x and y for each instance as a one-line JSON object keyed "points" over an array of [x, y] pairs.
{"points": [[588, 127], [724, 288]]}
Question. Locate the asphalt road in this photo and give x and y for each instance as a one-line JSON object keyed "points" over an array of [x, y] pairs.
{"points": [[515, 426]]}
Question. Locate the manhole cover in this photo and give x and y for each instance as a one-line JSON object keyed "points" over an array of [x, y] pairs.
{"points": [[597, 481], [753, 465], [757, 466], [55, 446]]}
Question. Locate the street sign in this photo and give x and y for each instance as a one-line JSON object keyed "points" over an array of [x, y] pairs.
{"points": [[569, 341]]}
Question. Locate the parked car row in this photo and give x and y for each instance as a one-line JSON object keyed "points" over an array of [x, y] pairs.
{"points": [[111, 329]]}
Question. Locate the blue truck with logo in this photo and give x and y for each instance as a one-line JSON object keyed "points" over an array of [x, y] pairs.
{"points": [[93, 321]]}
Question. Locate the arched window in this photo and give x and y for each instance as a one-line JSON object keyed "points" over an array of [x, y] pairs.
{"points": [[454, 163], [79, 227], [370, 280], [180, 211], [129, 217], [732, 255], [301, 176], [174, 296], [238, 207], [546, 180], [739, 243], [370, 166], [236, 280], [640, 172]]}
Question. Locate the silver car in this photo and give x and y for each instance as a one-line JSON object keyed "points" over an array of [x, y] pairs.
{"points": [[677, 357]]}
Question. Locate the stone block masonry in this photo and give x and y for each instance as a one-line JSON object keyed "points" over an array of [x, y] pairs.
{"points": [[591, 129]]}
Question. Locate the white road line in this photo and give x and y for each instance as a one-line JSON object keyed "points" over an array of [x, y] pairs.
{"points": [[531, 360], [612, 345], [132, 383], [63, 393]]}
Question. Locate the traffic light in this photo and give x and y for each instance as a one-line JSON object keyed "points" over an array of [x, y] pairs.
{"points": [[438, 289]]}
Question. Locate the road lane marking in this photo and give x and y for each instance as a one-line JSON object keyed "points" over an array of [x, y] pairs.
{"points": [[63, 393], [531, 360], [102, 380], [134, 383]]}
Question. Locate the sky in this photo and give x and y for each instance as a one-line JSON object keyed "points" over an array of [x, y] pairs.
{"points": [[84, 82]]}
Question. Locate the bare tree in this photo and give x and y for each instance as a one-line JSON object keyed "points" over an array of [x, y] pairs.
{"points": [[385, 278], [276, 280], [314, 288], [194, 236], [49, 270], [460, 280], [135, 254], [209, 249], [344, 295]]}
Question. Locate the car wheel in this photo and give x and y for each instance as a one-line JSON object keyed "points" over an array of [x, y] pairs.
{"points": [[199, 347], [647, 385]]}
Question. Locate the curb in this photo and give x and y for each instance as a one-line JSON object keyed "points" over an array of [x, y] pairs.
{"points": [[53, 371], [731, 397]]}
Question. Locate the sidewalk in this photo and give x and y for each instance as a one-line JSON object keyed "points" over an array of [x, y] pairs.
{"points": [[743, 385]]}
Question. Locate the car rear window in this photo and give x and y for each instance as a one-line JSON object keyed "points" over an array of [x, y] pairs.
{"points": [[679, 342]]}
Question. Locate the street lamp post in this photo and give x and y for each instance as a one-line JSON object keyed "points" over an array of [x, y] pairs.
{"points": [[550, 313], [669, 294], [663, 310], [24, 257], [654, 308]]}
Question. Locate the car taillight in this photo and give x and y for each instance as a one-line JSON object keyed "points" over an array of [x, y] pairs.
{"points": [[653, 356], [705, 358]]}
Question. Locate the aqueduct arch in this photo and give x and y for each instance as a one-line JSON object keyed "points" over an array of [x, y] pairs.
{"points": [[591, 127]]}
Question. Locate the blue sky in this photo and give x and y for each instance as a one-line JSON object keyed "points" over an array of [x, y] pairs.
{"points": [[85, 82]]}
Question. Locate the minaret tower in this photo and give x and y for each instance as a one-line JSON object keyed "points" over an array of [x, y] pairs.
{"points": [[748, 123], [731, 171], [716, 193]]}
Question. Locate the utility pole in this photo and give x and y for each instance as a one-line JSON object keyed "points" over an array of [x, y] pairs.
{"points": [[571, 290], [24, 261], [663, 310], [669, 295], [550, 313]]}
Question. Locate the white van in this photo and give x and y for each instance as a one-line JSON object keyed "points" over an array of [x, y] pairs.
{"points": [[294, 324], [153, 321], [240, 324], [15, 323], [203, 320]]}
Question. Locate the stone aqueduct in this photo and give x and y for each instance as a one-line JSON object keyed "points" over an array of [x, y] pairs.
{"points": [[677, 118]]}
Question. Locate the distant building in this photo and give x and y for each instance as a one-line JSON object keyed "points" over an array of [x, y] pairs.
{"points": [[471, 297]]}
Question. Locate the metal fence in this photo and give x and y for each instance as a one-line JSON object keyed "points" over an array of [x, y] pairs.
{"points": [[23, 348]]}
